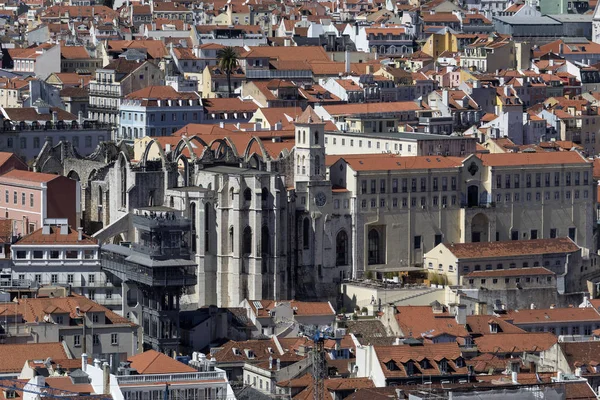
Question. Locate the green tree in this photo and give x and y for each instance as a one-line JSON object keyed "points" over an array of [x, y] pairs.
{"points": [[228, 62]]}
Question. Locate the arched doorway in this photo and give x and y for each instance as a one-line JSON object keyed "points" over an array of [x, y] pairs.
{"points": [[480, 226]]}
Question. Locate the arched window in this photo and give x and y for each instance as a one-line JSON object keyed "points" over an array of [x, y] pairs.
{"points": [[231, 239], [317, 165], [373, 247], [231, 194], [316, 137], [303, 165], [304, 137], [207, 208], [193, 218], [123, 184], [306, 233], [247, 194], [298, 164], [247, 241], [265, 245], [264, 196], [341, 248]]}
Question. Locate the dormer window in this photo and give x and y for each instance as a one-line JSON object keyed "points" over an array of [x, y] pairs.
{"points": [[10, 394], [410, 368], [236, 351], [443, 366], [493, 327], [391, 365], [424, 364], [249, 354], [460, 362]]}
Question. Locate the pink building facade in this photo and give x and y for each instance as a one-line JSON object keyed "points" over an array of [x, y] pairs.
{"points": [[28, 198]]}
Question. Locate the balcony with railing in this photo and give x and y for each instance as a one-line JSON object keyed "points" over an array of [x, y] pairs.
{"points": [[138, 268], [20, 126], [152, 379]]}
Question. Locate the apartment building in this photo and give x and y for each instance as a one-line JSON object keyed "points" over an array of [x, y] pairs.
{"points": [[370, 117], [405, 206], [82, 325], [157, 111], [144, 376], [26, 129], [558, 321], [29, 198], [116, 80], [58, 255], [560, 256], [402, 143]]}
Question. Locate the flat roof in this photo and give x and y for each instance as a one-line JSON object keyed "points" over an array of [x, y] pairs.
{"points": [[572, 17], [401, 135], [528, 20]]}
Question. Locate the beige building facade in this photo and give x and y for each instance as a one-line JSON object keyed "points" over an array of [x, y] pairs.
{"points": [[405, 206]]}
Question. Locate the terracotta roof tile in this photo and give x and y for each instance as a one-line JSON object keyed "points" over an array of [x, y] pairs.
{"points": [[55, 237], [511, 248], [421, 321], [14, 355], [385, 162], [521, 159], [18, 176], [510, 272], [552, 315], [153, 362], [478, 325], [515, 342]]}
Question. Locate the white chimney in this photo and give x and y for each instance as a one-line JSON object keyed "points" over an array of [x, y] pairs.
{"points": [[278, 364], [84, 359], [445, 97], [461, 314], [97, 363], [397, 342], [559, 376], [514, 377], [347, 61], [80, 234], [106, 378], [270, 362], [221, 124]]}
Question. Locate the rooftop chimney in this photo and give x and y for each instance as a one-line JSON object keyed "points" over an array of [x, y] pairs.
{"points": [[514, 378], [80, 233], [445, 97], [347, 61], [84, 359], [106, 378], [278, 364]]}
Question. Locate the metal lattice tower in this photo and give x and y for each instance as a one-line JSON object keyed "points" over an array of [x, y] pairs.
{"points": [[319, 372]]}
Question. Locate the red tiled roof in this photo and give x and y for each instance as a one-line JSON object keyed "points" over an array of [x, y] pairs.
{"points": [[385, 162], [19, 176], [511, 248], [55, 237], [153, 362], [14, 355], [552, 315], [522, 159], [515, 342], [421, 321], [510, 272]]}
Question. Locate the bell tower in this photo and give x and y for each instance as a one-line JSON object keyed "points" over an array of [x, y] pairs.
{"points": [[309, 161]]}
